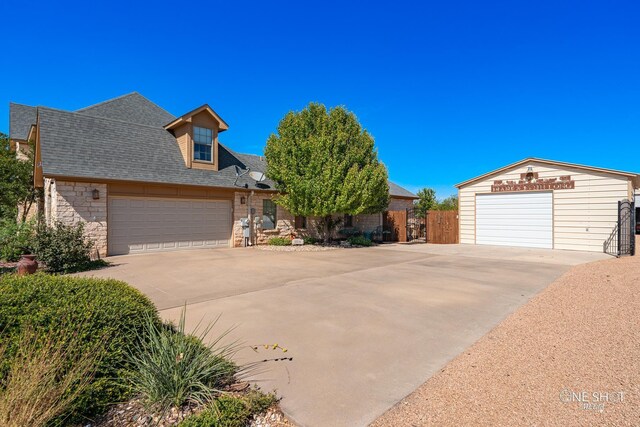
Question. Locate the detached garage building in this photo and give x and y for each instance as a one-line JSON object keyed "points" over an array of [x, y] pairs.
{"points": [[544, 204]]}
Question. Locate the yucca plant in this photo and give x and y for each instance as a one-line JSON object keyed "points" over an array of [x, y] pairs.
{"points": [[173, 368]]}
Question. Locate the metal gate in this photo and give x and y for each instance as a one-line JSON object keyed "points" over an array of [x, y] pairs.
{"points": [[622, 239], [416, 226]]}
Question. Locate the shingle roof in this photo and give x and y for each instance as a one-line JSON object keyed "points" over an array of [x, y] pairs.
{"points": [[124, 139], [396, 190], [132, 108], [21, 118], [104, 148]]}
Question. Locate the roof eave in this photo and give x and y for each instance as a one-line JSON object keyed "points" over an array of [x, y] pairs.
{"points": [[404, 197], [185, 118]]}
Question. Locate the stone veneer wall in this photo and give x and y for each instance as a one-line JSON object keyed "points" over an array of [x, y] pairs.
{"points": [[286, 222], [71, 202]]}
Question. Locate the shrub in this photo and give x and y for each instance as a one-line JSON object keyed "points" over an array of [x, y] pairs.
{"points": [[349, 232], [173, 368], [308, 240], [46, 377], [232, 411], [93, 311], [63, 248], [15, 239], [359, 241], [279, 241]]}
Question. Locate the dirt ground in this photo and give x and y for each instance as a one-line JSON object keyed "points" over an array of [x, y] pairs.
{"points": [[571, 356]]}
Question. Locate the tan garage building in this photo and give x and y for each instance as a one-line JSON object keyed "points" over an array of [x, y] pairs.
{"points": [[544, 204]]}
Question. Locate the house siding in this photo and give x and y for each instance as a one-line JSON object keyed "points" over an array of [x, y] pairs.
{"points": [[71, 202], [583, 217]]}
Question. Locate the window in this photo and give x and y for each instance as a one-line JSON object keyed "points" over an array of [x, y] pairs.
{"points": [[301, 222], [202, 144], [348, 220], [269, 218]]}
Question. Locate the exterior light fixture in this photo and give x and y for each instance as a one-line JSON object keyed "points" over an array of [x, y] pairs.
{"points": [[243, 200], [529, 175], [96, 194]]}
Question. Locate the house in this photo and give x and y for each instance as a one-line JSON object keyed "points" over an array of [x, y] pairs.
{"points": [[142, 179], [545, 204]]}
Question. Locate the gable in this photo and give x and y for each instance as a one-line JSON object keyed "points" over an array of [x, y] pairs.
{"points": [[131, 108], [201, 111], [513, 168], [21, 118]]}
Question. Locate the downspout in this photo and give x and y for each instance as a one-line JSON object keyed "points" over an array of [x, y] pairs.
{"points": [[250, 218]]}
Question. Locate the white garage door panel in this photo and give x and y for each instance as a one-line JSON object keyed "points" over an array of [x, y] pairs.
{"points": [[147, 225], [524, 219]]}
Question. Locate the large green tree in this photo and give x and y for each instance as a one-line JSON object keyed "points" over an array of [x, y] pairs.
{"points": [[324, 163], [16, 182]]}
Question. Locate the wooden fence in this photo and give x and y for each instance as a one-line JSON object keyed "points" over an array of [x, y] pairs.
{"points": [[395, 225], [442, 227]]}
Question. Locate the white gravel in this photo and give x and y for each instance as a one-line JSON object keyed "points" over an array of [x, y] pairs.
{"points": [[569, 357]]}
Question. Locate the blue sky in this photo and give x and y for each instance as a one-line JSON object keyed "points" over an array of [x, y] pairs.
{"points": [[449, 90]]}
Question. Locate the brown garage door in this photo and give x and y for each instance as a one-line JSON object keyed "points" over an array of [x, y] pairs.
{"points": [[151, 224]]}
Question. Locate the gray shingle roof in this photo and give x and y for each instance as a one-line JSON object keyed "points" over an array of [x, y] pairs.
{"points": [[124, 139], [396, 190], [21, 118], [78, 145], [133, 108]]}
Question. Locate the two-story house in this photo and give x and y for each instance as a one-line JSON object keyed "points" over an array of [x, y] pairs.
{"points": [[142, 179]]}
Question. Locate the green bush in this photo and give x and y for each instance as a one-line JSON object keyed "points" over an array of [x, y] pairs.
{"points": [[93, 311], [63, 248], [279, 241], [359, 241], [309, 240], [15, 239], [232, 411], [173, 368], [349, 232]]}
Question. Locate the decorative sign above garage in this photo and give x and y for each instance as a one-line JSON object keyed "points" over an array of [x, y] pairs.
{"points": [[530, 182]]}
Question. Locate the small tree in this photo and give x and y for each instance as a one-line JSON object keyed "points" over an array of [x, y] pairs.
{"points": [[16, 182], [324, 163], [426, 202], [448, 204]]}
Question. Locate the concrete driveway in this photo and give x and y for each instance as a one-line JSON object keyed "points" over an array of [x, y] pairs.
{"points": [[365, 327]]}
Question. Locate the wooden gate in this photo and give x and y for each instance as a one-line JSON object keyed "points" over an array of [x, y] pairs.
{"points": [[442, 227], [394, 226]]}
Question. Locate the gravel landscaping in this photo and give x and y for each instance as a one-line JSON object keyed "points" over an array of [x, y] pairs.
{"points": [[134, 414], [301, 248], [571, 356]]}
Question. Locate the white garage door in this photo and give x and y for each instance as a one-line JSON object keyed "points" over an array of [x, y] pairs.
{"points": [[515, 219], [148, 224]]}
